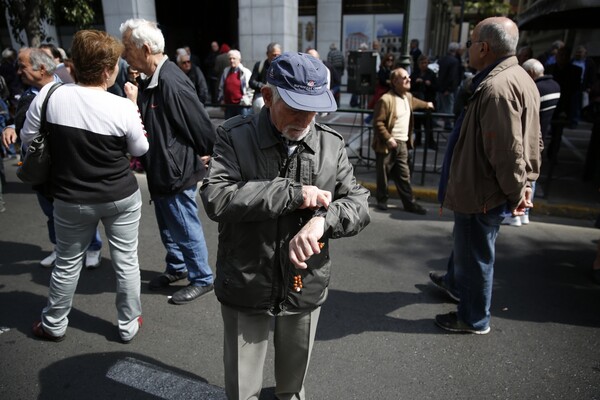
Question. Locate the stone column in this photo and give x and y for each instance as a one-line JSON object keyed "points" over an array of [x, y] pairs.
{"points": [[117, 11], [329, 25], [264, 21]]}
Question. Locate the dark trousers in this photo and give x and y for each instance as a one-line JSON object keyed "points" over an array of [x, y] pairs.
{"points": [[394, 165]]}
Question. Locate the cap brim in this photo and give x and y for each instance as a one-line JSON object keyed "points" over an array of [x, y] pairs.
{"points": [[324, 102]]}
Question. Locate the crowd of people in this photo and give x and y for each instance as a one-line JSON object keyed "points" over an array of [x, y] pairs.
{"points": [[278, 183]]}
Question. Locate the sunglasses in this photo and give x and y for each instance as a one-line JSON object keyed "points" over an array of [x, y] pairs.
{"points": [[470, 43]]}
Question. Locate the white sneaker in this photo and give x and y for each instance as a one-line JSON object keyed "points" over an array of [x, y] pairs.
{"points": [[512, 221], [524, 219], [92, 259], [49, 261]]}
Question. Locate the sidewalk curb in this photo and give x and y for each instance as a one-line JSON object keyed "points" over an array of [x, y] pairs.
{"points": [[541, 206]]}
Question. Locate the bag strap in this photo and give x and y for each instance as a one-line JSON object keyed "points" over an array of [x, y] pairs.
{"points": [[45, 105]]}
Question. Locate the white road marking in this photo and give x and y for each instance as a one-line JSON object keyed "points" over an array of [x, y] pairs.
{"points": [[162, 383]]}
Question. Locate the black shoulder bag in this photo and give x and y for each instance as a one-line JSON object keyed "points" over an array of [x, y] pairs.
{"points": [[35, 168]]}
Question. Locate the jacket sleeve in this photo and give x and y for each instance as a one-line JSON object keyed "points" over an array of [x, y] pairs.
{"points": [[255, 82], [229, 197], [418, 104], [503, 143], [201, 86], [380, 117], [348, 213], [190, 120]]}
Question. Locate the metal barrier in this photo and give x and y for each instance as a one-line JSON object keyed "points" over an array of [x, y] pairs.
{"points": [[364, 155]]}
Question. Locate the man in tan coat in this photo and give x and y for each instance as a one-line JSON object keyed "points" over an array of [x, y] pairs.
{"points": [[393, 126], [493, 157]]}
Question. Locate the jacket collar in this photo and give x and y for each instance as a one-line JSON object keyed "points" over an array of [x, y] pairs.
{"points": [[154, 78], [493, 70]]}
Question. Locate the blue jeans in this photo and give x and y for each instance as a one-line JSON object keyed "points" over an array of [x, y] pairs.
{"points": [[471, 266], [47, 206], [182, 235]]}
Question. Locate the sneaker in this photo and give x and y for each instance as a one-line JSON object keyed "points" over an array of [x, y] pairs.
{"points": [[92, 259], [165, 279], [512, 221], [450, 322], [524, 219], [440, 283], [49, 261]]}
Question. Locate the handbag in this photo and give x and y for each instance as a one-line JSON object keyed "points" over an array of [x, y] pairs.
{"points": [[35, 168]]}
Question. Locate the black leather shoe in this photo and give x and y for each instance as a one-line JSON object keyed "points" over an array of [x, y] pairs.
{"points": [[416, 208], [382, 205], [165, 279], [190, 293]]}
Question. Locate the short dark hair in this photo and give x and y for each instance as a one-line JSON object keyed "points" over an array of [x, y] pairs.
{"points": [[53, 49]]}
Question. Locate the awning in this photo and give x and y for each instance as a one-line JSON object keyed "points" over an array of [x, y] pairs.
{"points": [[561, 14]]}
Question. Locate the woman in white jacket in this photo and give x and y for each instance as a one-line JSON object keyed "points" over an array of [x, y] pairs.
{"points": [[234, 87]]}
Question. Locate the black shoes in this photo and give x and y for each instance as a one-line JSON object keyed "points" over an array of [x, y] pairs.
{"points": [[450, 322], [165, 279], [415, 208], [438, 281], [190, 293]]}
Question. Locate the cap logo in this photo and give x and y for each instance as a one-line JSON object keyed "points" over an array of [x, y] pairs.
{"points": [[311, 83]]}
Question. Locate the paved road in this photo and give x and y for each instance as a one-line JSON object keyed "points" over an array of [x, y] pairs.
{"points": [[376, 338]]}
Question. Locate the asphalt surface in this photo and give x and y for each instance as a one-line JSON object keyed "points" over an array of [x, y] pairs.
{"points": [[376, 337]]}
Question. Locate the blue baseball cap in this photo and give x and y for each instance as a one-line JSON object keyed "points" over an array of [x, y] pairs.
{"points": [[302, 82]]}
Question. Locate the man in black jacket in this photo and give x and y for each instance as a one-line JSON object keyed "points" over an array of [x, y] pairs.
{"points": [[181, 137], [195, 74], [281, 187], [259, 75]]}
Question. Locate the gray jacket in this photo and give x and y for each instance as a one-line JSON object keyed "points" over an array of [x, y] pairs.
{"points": [[253, 190]]}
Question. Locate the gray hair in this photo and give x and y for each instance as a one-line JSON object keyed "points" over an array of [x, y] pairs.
{"points": [[144, 32], [39, 58], [453, 47], [181, 52], [8, 53], [533, 67], [501, 41], [235, 53], [272, 46], [274, 92]]}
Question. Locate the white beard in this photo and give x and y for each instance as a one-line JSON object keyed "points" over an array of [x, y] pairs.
{"points": [[290, 132]]}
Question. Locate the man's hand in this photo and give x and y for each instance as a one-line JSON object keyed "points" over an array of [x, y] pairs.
{"points": [[205, 160], [391, 143], [306, 242], [430, 105], [9, 136], [315, 198], [131, 91], [525, 203]]}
